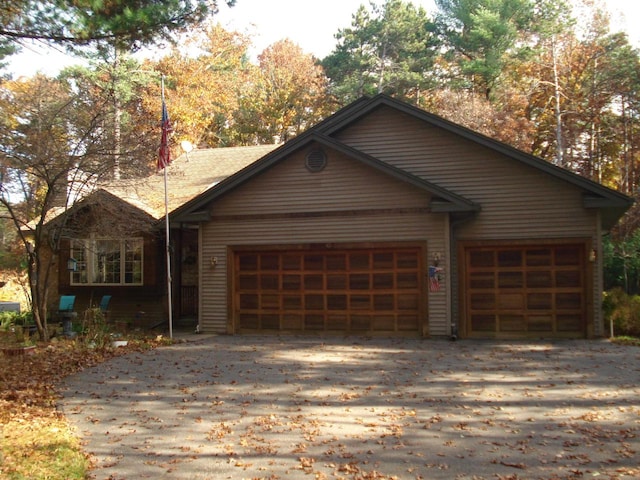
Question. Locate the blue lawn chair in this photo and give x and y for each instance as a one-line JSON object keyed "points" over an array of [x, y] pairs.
{"points": [[66, 314], [104, 305], [66, 303]]}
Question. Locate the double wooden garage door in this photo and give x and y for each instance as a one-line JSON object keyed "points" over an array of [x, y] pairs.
{"points": [[535, 291], [349, 290]]}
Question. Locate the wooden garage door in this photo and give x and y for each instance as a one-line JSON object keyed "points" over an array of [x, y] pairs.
{"points": [[360, 291], [535, 291]]}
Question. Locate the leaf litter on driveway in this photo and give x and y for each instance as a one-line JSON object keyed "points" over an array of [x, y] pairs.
{"points": [[262, 407]]}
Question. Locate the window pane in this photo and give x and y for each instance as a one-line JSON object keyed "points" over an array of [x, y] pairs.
{"points": [[106, 263], [79, 253], [133, 261]]}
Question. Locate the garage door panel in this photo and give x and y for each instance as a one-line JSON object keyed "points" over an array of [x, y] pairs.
{"points": [[540, 323], [250, 321], [384, 323], [408, 280], [373, 290], [292, 302], [408, 323], [539, 301], [510, 279], [483, 323], [314, 322], [292, 321], [360, 323], [539, 279], [383, 261], [517, 291], [569, 323], [290, 262], [337, 322], [337, 302], [483, 301], [539, 257], [269, 282], [270, 322], [360, 302], [479, 280], [511, 301], [568, 279], [510, 258], [313, 282], [567, 256], [384, 302], [481, 259], [512, 323]]}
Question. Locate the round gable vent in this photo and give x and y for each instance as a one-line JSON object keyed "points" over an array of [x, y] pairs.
{"points": [[316, 161]]}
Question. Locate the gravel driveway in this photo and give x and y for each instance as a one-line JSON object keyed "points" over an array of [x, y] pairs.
{"points": [[279, 408]]}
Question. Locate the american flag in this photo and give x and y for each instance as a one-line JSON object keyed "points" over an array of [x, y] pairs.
{"points": [[164, 154], [434, 279]]}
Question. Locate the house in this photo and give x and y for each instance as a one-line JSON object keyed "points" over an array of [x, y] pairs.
{"points": [[115, 237], [387, 220]]}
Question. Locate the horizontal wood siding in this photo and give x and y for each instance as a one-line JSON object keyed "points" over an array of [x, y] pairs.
{"points": [[347, 202], [344, 185], [213, 287], [517, 201]]}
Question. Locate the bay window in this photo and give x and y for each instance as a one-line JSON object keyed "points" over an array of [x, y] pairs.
{"points": [[107, 261]]}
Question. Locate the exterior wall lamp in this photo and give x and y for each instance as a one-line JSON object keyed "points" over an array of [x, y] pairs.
{"points": [[214, 262]]}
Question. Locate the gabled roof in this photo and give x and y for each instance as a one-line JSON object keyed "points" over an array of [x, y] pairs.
{"points": [[187, 177], [443, 200], [110, 206], [611, 203]]}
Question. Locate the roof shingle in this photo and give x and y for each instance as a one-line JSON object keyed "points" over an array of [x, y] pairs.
{"points": [[188, 176]]}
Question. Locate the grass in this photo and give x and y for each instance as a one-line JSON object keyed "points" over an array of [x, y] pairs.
{"points": [[42, 447], [36, 441], [626, 340]]}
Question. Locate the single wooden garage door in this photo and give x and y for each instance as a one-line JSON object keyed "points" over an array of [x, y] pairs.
{"points": [[535, 291], [359, 291]]}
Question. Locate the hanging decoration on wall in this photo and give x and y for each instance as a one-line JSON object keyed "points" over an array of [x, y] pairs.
{"points": [[434, 278]]}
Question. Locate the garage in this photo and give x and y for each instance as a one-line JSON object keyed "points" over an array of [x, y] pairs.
{"points": [[329, 289], [525, 291], [328, 234]]}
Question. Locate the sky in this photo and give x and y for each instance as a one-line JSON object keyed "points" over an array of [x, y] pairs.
{"points": [[311, 25]]}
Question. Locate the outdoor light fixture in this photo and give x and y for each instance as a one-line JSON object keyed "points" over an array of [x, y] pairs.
{"points": [[214, 261], [72, 264]]}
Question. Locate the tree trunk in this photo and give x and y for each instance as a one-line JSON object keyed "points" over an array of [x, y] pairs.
{"points": [[558, 107]]}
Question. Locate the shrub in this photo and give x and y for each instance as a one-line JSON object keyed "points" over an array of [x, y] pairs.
{"points": [[624, 311], [11, 319], [94, 329]]}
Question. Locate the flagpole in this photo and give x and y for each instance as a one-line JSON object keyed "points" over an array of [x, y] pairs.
{"points": [[168, 243]]}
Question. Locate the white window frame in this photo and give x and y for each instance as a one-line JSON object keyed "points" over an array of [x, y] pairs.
{"points": [[85, 252]]}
